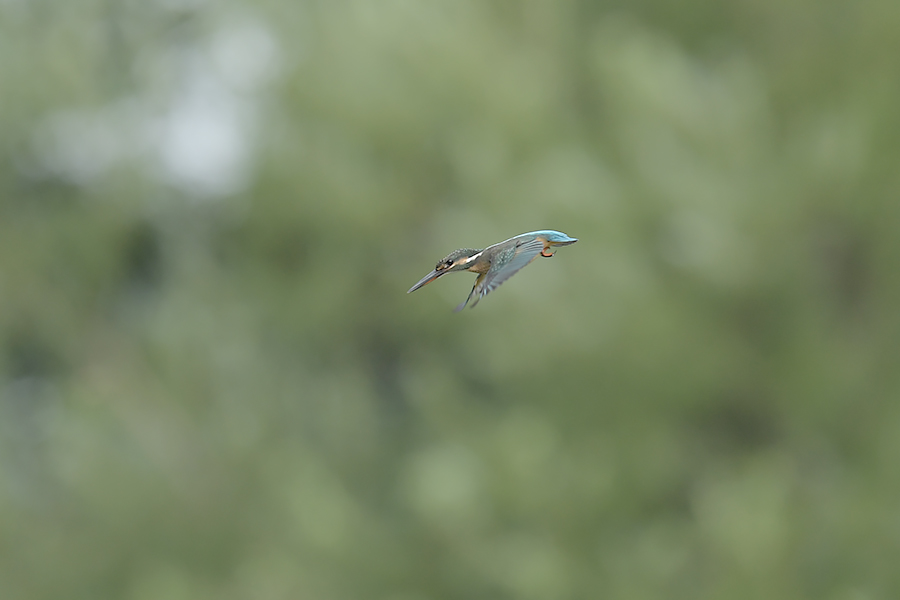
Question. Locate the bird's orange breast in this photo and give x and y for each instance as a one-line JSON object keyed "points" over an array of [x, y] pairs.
{"points": [[480, 266]]}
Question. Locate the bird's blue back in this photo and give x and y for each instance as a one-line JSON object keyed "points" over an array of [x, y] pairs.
{"points": [[549, 234]]}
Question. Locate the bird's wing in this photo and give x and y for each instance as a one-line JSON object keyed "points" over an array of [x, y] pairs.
{"points": [[503, 266], [473, 293]]}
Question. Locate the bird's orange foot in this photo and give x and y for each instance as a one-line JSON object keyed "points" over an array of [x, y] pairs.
{"points": [[544, 253]]}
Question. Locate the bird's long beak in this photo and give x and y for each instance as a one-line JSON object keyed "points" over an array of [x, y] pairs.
{"points": [[426, 280]]}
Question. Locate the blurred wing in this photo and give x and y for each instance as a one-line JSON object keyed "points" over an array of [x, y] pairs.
{"points": [[472, 294], [507, 264]]}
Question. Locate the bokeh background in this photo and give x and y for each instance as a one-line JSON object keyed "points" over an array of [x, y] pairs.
{"points": [[213, 384]]}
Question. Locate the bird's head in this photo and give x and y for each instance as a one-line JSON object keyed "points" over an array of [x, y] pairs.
{"points": [[458, 260]]}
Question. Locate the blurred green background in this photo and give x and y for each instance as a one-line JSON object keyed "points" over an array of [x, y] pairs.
{"points": [[213, 384]]}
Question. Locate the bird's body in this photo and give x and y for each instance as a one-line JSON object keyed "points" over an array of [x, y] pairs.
{"points": [[495, 264]]}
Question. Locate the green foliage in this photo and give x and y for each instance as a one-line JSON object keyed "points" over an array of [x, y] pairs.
{"points": [[213, 384]]}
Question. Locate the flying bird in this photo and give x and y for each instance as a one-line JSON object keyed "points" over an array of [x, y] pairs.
{"points": [[495, 264]]}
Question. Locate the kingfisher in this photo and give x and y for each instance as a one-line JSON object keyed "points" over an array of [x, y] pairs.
{"points": [[495, 264]]}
